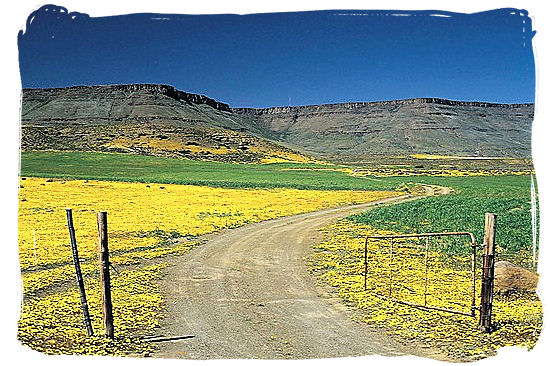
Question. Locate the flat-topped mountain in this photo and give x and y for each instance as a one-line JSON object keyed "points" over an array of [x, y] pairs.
{"points": [[129, 116], [353, 131], [143, 119], [116, 103]]}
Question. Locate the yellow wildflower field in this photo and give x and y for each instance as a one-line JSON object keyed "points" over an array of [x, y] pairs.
{"points": [[135, 210], [145, 222], [52, 323], [339, 261]]}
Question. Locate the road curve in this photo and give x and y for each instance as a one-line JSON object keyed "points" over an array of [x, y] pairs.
{"points": [[246, 293]]}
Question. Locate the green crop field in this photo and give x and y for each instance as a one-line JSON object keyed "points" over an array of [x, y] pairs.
{"points": [[136, 168], [507, 196]]}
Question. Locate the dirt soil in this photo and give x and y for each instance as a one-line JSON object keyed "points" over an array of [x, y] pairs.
{"points": [[246, 293]]}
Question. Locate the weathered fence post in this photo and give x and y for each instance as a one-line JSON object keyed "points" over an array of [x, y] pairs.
{"points": [[104, 275], [366, 261], [79, 279], [391, 264], [488, 274]]}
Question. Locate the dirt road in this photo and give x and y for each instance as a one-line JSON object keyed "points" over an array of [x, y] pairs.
{"points": [[247, 294]]}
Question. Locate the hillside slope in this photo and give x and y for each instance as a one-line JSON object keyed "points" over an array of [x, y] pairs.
{"points": [[159, 120], [142, 119], [354, 131]]}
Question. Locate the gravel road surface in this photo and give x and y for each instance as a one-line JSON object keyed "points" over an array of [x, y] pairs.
{"points": [[246, 293]]}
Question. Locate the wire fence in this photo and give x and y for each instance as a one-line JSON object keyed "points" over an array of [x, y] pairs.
{"points": [[428, 270]]}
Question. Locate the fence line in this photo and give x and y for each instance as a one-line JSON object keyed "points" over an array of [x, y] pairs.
{"points": [[487, 279], [426, 236]]}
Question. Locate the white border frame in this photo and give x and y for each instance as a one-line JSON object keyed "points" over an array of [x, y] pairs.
{"points": [[15, 16]]}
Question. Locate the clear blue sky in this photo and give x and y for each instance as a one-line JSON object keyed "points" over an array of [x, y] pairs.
{"points": [[266, 60]]}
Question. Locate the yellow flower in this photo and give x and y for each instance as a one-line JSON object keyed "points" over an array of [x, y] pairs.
{"points": [[339, 260], [144, 221]]}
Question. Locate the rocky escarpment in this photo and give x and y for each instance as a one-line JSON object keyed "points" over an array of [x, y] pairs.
{"points": [[351, 132], [30, 95], [145, 119], [387, 103], [123, 104], [345, 132]]}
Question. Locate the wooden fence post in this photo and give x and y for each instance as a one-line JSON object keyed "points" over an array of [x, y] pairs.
{"points": [[104, 275], [366, 261], [79, 279], [488, 274]]}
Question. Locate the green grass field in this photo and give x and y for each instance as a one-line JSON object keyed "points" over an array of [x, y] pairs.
{"points": [[135, 168], [507, 196]]}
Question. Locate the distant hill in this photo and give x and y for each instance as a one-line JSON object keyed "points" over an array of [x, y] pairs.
{"points": [[354, 131], [141, 119], [159, 120]]}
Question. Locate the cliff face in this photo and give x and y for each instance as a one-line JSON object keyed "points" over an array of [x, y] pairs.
{"points": [[346, 132], [93, 105], [387, 103], [351, 132], [142, 119], [167, 90]]}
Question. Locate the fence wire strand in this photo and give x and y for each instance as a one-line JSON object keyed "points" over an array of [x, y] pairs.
{"points": [[427, 270]]}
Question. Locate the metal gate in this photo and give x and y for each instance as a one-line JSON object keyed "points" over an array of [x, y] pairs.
{"points": [[420, 243], [487, 269]]}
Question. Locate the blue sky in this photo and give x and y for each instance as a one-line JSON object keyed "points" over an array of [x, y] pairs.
{"points": [[274, 59]]}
